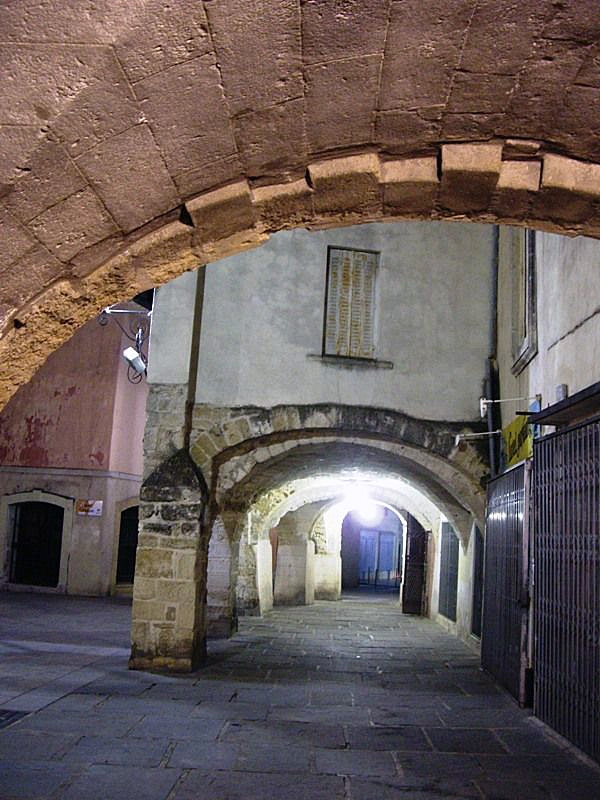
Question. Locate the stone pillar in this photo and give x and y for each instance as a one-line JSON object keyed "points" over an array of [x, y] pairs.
{"points": [[264, 575], [295, 576], [168, 615], [328, 576], [169, 609], [221, 612]]}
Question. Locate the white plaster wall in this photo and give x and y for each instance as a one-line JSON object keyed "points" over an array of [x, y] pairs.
{"points": [[263, 317], [309, 583], [464, 601], [172, 330], [568, 319], [433, 583], [218, 593]]}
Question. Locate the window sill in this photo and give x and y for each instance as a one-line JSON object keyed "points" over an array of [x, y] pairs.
{"points": [[350, 363]]}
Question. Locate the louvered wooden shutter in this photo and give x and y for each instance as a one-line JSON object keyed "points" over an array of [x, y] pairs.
{"points": [[349, 321]]}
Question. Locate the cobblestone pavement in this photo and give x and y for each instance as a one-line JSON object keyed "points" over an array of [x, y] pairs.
{"points": [[340, 700]]}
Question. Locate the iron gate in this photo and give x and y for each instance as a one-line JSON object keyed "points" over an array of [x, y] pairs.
{"points": [[413, 594], [567, 584], [505, 605]]}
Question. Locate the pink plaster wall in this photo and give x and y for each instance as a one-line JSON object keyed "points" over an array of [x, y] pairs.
{"points": [[64, 416], [129, 418]]}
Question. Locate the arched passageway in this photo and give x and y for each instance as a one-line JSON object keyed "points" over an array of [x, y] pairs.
{"points": [[111, 188]]}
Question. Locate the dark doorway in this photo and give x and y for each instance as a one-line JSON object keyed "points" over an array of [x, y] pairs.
{"points": [[413, 589], [36, 543], [128, 539]]}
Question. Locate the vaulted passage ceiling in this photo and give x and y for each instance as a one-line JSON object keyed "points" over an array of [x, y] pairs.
{"points": [[114, 114]]}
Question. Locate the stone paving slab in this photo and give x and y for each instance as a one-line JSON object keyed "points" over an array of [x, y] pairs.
{"points": [[284, 709], [259, 786], [132, 783]]}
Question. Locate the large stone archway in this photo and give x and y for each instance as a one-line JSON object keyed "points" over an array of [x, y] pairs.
{"points": [[141, 141], [236, 463]]}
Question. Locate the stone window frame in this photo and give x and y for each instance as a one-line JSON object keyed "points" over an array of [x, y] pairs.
{"points": [[326, 350], [524, 301]]}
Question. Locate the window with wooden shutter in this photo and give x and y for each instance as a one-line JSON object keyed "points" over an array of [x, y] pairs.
{"points": [[350, 303]]}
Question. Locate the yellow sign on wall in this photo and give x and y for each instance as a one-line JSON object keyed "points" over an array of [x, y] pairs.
{"points": [[518, 441]]}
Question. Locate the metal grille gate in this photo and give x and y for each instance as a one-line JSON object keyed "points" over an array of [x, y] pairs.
{"points": [[567, 584], [504, 634]]}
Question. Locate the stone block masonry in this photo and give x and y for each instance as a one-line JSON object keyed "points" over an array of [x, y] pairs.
{"points": [[168, 618]]}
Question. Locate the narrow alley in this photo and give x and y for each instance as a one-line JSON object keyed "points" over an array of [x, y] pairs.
{"points": [[348, 699]]}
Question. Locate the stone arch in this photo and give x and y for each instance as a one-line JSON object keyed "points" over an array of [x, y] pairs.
{"points": [[485, 182], [237, 448], [240, 526], [254, 459], [297, 115]]}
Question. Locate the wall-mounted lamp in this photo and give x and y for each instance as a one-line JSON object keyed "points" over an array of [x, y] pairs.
{"points": [[137, 332], [135, 360]]}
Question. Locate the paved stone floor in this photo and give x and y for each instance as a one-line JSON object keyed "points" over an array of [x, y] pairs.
{"points": [[338, 700]]}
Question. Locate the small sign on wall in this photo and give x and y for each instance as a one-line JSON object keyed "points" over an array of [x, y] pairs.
{"points": [[88, 508]]}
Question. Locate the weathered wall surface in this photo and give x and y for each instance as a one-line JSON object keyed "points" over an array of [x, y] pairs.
{"points": [[263, 320], [76, 430], [63, 417], [92, 559], [79, 411], [568, 319]]}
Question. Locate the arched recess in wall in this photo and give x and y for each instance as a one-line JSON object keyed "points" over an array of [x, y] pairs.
{"points": [[35, 539], [504, 181]]}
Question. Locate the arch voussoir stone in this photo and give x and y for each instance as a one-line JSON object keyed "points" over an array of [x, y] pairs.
{"points": [[511, 181]]}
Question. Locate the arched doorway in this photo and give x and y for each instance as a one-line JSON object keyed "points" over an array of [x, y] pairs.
{"points": [[36, 541], [35, 528], [372, 550], [127, 546]]}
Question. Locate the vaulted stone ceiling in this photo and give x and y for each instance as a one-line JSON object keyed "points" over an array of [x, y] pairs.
{"points": [[115, 113]]}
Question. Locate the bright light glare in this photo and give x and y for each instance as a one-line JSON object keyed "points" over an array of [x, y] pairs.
{"points": [[368, 512], [361, 504]]}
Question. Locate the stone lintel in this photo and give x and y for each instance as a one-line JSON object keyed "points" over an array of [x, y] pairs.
{"points": [[517, 183], [568, 190], [561, 172]]}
